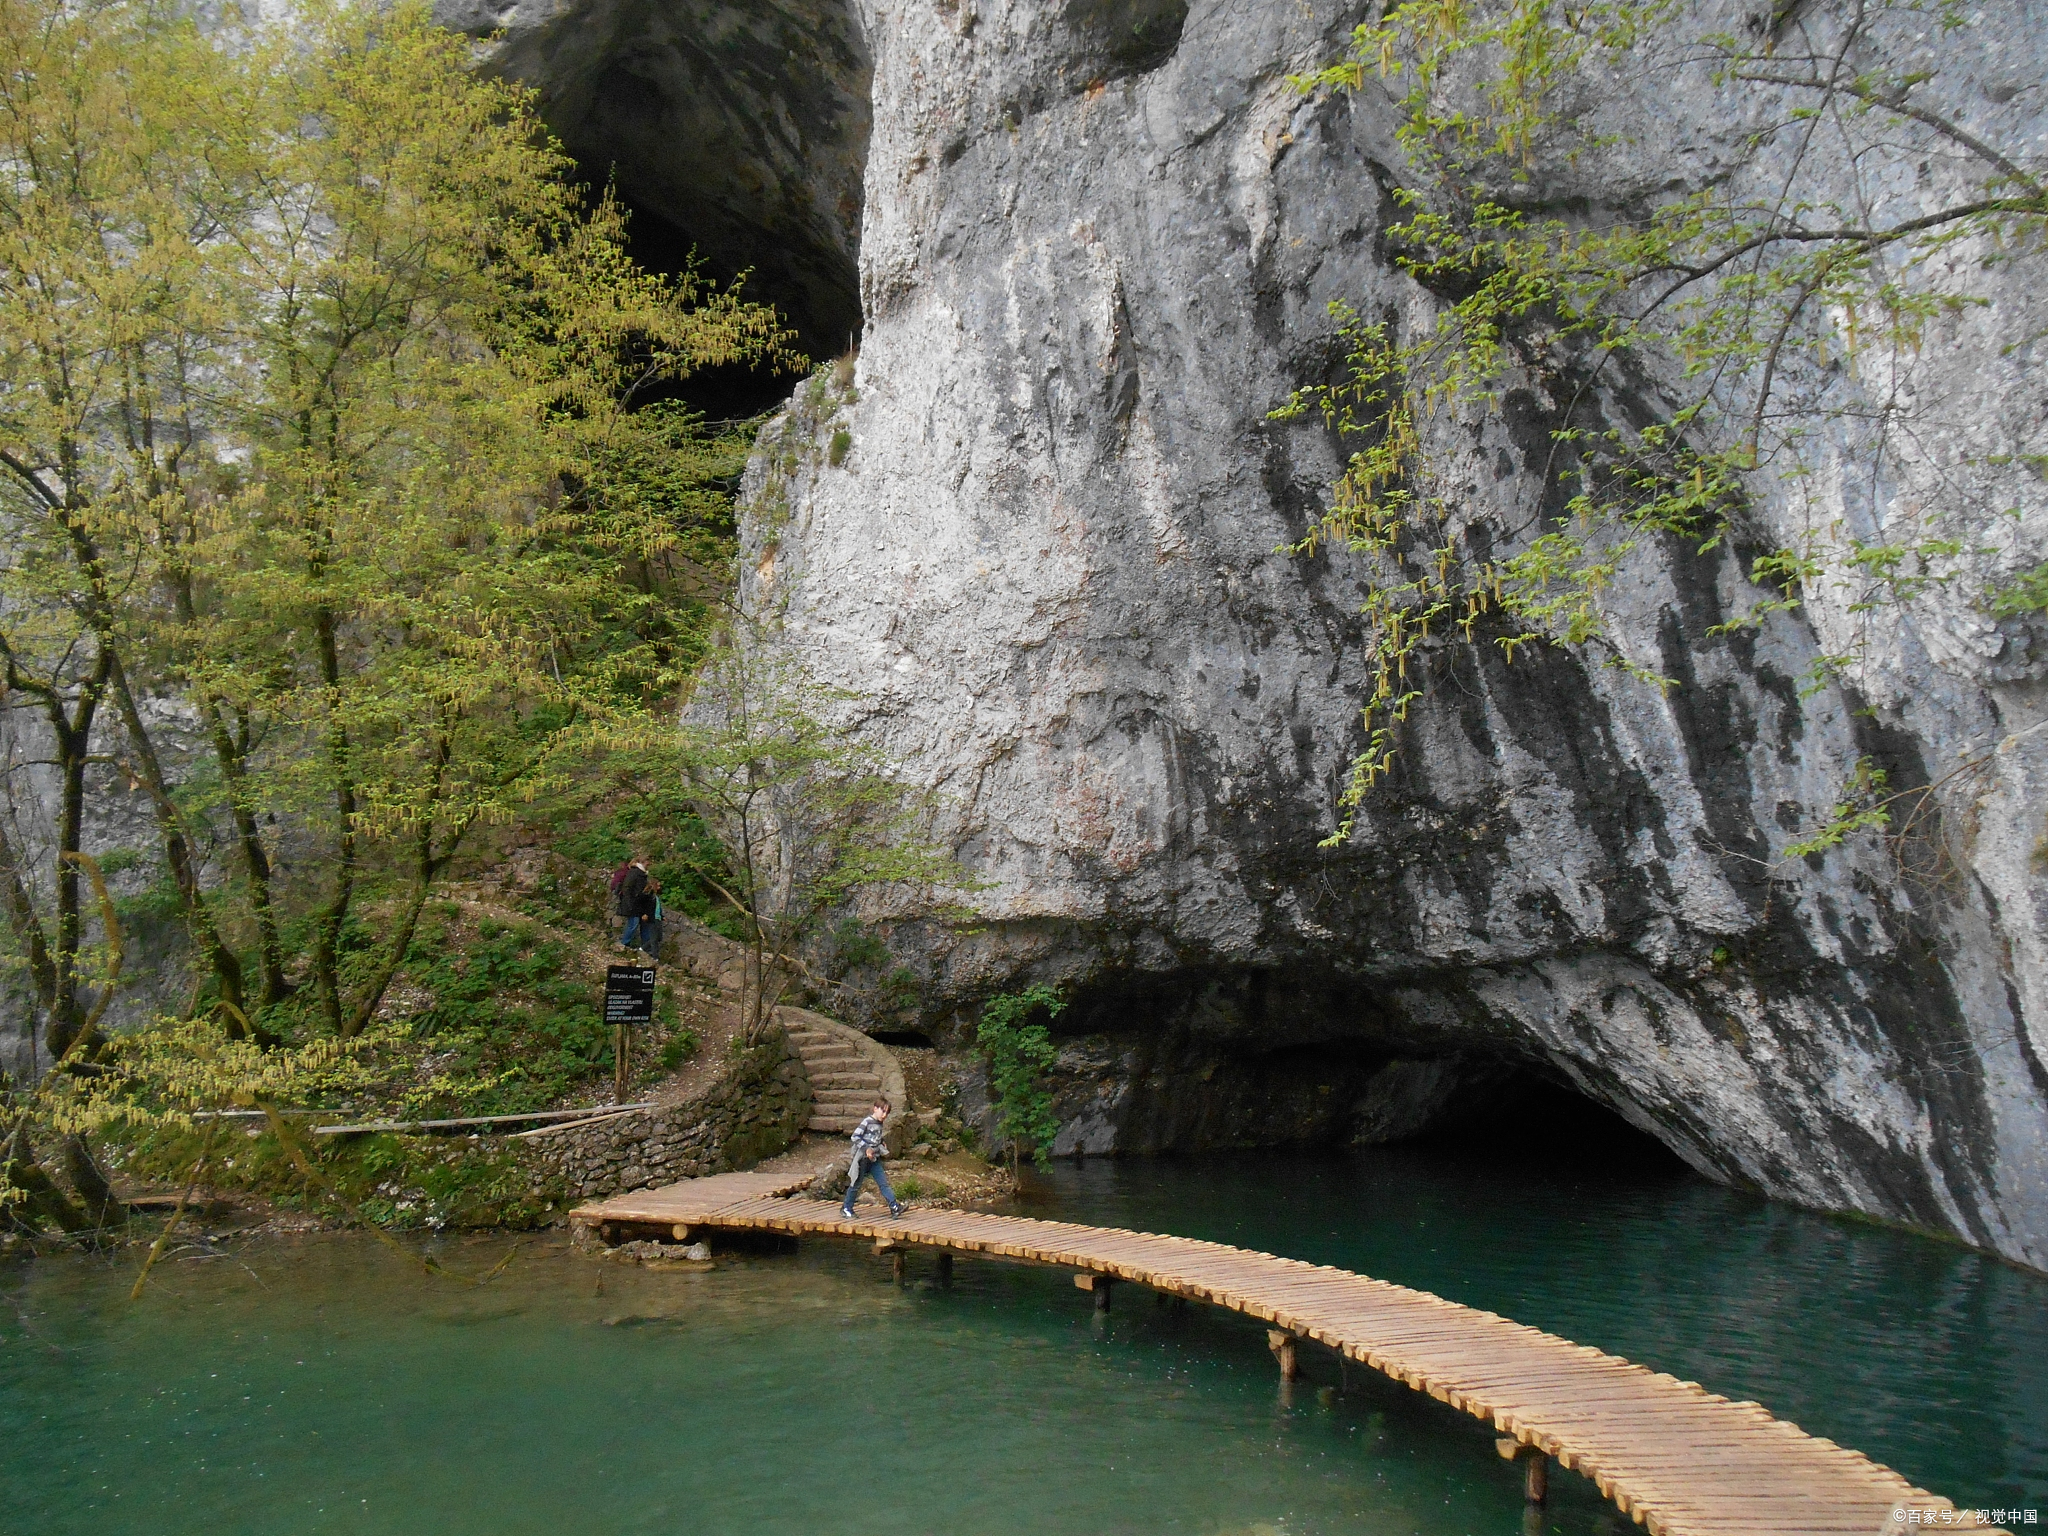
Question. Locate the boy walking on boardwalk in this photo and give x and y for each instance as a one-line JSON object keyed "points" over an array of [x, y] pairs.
{"points": [[867, 1161]]}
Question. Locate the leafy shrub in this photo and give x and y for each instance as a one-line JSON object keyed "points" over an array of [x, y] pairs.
{"points": [[1020, 1055], [508, 1031], [678, 1048]]}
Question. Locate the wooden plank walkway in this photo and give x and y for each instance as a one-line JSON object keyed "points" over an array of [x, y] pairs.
{"points": [[1682, 1461]]}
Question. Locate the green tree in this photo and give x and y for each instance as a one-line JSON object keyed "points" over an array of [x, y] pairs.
{"points": [[110, 306], [1019, 1053], [320, 414], [805, 819]]}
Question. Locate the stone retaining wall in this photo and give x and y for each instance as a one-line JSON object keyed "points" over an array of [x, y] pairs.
{"points": [[754, 1111]]}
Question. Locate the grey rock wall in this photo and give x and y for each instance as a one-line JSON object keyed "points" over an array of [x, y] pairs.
{"points": [[1096, 243], [1094, 256]]}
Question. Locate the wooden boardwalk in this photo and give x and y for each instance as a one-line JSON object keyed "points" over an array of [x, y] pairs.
{"points": [[1681, 1460]]}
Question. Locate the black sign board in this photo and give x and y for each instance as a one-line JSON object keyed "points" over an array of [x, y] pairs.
{"points": [[629, 994]]}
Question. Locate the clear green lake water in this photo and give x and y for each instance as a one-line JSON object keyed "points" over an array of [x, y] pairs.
{"points": [[322, 1384]]}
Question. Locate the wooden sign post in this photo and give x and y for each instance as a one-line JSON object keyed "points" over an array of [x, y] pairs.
{"points": [[628, 1000]]}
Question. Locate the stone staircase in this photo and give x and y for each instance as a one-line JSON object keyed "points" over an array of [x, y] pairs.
{"points": [[848, 1071]]}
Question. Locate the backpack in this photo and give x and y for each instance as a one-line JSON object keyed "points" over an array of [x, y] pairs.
{"points": [[619, 876]]}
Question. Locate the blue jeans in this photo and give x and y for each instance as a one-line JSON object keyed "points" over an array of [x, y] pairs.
{"points": [[631, 937], [868, 1169]]}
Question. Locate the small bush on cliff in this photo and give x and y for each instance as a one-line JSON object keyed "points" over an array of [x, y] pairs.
{"points": [[1019, 1053], [806, 818]]}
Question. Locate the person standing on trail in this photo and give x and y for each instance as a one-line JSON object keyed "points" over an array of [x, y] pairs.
{"points": [[868, 1153], [650, 916], [630, 889]]}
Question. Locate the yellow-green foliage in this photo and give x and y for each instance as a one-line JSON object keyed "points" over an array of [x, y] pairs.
{"points": [[420, 1182], [1713, 290], [319, 389]]}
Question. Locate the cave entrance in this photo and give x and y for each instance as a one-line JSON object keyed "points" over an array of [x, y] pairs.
{"points": [[735, 130], [728, 392], [1188, 1096], [1534, 1118], [1297, 1059], [904, 1039]]}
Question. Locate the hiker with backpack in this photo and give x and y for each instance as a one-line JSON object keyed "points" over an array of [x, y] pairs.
{"points": [[629, 885]]}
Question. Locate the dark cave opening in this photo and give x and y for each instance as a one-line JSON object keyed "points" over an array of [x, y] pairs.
{"points": [[1459, 1105], [908, 1039], [728, 392], [1301, 1058], [1529, 1116], [736, 136]]}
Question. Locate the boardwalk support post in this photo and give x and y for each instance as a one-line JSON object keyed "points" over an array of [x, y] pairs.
{"points": [[1282, 1345], [1100, 1285], [897, 1255], [1535, 1468], [945, 1269], [681, 1230]]}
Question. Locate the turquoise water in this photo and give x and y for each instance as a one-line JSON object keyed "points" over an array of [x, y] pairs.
{"points": [[324, 1384], [1926, 1355]]}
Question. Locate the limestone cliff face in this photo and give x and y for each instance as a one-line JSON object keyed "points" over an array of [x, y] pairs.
{"points": [[1097, 246]]}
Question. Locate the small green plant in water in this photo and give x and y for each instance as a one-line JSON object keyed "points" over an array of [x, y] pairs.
{"points": [[1019, 1054]]}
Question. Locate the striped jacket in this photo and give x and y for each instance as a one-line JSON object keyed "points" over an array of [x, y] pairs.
{"points": [[867, 1141]]}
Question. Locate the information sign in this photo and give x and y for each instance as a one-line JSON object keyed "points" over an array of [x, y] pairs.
{"points": [[629, 994]]}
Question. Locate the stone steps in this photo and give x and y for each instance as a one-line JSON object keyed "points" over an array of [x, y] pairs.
{"points": [[828, 1050], [846, 1077], [859, 1082], [840, 1058], [842, 1101], [829, 1045]]}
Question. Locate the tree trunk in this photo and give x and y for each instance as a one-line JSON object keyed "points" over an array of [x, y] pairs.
{"points": [[232, 756], [72, 734], [95, 1194], [327, 927], [226, 965], [41, 1196], [427, 866], [26, 926]]}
